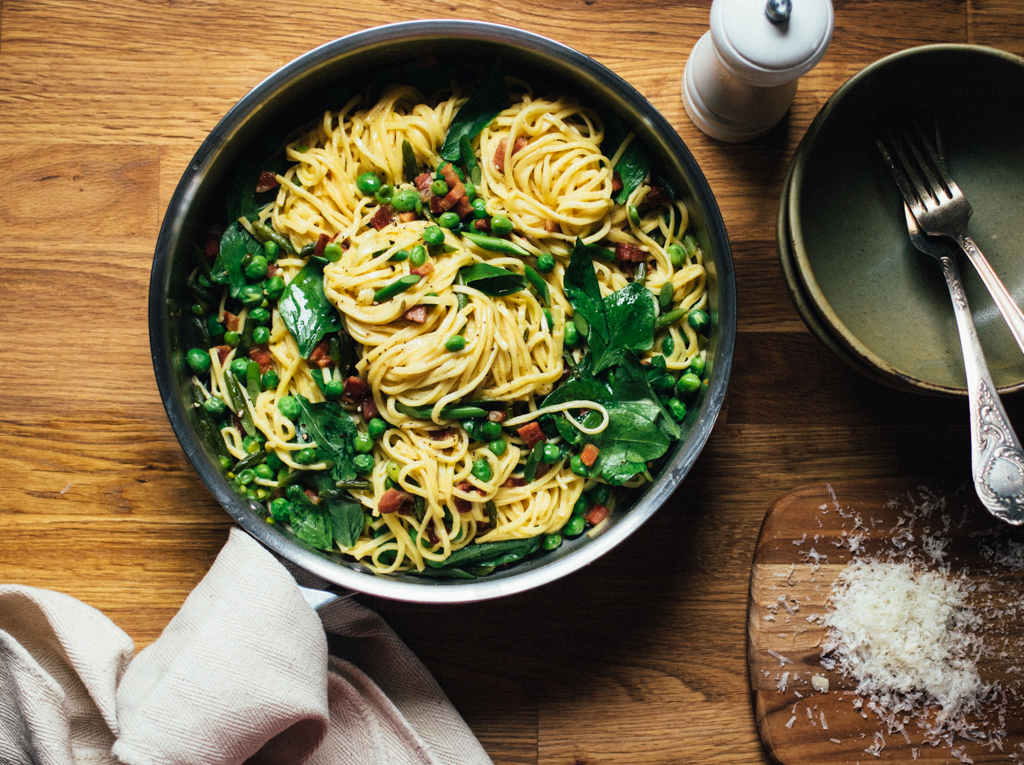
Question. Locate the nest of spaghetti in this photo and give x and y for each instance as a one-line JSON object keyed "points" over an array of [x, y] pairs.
{"points": [[440, 331]]}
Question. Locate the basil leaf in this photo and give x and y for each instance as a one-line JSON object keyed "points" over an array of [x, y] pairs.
{"points": [[492, 280], [631, 383], [633, 165], [630, 441], [346, 519], [487, 102], [305, 309], [583, 291], [631, 313], [308, 521], [334, 432], [235, 244]]}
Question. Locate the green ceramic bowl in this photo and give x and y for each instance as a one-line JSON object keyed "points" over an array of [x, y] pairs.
{"points": [[882, 300]]}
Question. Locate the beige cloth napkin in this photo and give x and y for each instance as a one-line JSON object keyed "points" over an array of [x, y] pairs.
{"points": [[241, 674]]}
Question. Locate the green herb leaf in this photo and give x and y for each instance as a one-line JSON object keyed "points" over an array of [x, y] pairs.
{"points": [[310, 523], [334, 432], [633, 165], [631, 440], [631, 313], [346, 519], [242, 198], [492, 280], [206, 426], [487, 102], [475, 553], [235, 244], [305, 309]]}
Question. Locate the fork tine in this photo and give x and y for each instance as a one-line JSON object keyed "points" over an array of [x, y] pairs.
{"points": [[902, 181], [938, 156], [935, 187]]}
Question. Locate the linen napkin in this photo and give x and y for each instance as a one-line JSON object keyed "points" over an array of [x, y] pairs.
{"points": [[241, 674]]}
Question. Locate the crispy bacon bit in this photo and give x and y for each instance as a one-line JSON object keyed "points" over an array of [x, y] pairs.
{"points": [[321, 243], [418, 314], [313, 496], [514, 482], [496, 415], [435, 205], [356, 389], [450, 176], [616, 183], [552, 227], [657, 196], [482, 225], [499, 155], [629, 253], [261, 355], [382, 217], [432, 535], [464, 505], [321, 354], [520, 144], [406, 217], [237, 422], [588, 455], [222, 352], [464, 207], [368, 408], [532, 434], [423, 185], [393, 500], [442, 435], [267, 181], [597, 514], [272, 270], [211, 248], [455, 192], [425, 270], [230, 321]]}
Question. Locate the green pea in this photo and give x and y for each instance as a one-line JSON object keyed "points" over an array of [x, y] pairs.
{"points": [[368, 183], [363, 443], [479, 208], [274, 462], [418, 255], [439, 188], [698, 319], [261, 335], [490, 430], [688, 383], [545, 262], [198, 360], [599, 494], [676, 254], [581, 506], [246, 477], [552, 453], [501, 225], [634, 215], [455, 343], [482, 469], [251, 444], [225, 462], [363, 463], [231, 338], [306, 456], [271, 250], [384, 193], [214, 327], [270, 380], [574, 527], [264, 471], [257, 269], [433, 235], [274, 287], [448, 219], [576, 466], [251, 294], [197, 309], [376, 428], [259, 315], [333, 252], [289, 407], [405, 200], [240, 368], [394, 472], [281, 509], [571, 334], [261, 493], [215, 406], [690, 245], [551, 542], [668, 346], [470, 190], [498, 446], [334, 388], [677, 408], [697, 366]]}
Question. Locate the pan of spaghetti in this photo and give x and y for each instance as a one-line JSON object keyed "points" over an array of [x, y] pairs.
{"points": [[442, 311]]}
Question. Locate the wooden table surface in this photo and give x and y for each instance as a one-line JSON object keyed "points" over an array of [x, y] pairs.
{"points": [[639, 658]]}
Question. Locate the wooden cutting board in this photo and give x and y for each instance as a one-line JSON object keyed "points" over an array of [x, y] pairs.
{"points": [[801, 550]]}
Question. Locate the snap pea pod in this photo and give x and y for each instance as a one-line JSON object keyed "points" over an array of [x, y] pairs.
{"points": [[239, 400], [463, 299], [342, 493], [453, 412], [494, 244], [252, 460], [266, 234], [538, 283], [533, 462], [409, 165], [252, 380], [670, 318], [307, 251], [665, 295], [396, 287], [469, 160]]}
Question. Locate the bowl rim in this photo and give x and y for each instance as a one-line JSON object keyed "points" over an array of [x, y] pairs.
{"points": [[437, 591], [902, 379]]}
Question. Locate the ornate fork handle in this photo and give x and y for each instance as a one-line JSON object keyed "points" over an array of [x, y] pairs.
{"points": [[1000, 295], [996, 456]]}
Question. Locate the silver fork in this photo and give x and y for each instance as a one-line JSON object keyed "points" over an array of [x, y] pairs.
{"points": [[940, 207], [997, 460]]}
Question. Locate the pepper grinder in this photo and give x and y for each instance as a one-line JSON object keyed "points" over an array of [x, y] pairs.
{"points": [[741, 76]]}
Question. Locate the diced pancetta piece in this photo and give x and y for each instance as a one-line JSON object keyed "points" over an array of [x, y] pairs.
{"points": [[425, 270], [356, 389], [657, 196], [629, 253], [393, 500], [321, 354], [368, 408], [532, 434], [417, 314], [230, 321], [382, 217], [261, 355]]}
